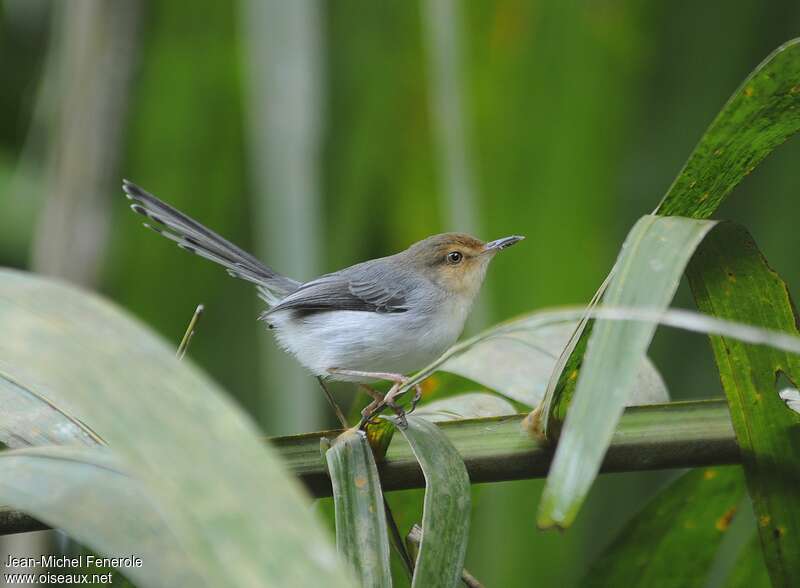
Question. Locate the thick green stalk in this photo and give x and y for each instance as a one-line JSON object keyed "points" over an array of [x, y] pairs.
{"points": [[494, 449]]}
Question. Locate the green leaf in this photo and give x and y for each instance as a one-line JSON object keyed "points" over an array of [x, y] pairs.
{"points": [[29, 419], [446, 514], [224, 494], [762, 113], [731, 279], [673, 541], [646, 276], [470, 405], [80, 490], [749, 571], [517, 358], [361, 530]]}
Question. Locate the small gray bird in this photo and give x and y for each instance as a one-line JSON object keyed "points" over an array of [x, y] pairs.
{"points": [[375, 320]]}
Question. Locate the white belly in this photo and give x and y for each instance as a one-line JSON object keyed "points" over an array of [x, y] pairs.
{"points": [[367, 341]]}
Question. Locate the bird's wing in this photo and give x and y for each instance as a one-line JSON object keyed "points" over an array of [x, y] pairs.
{"points": [[194, 237], [367, 287]]}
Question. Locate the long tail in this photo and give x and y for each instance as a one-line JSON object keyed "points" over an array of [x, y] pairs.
{"points": [[194, 237]]}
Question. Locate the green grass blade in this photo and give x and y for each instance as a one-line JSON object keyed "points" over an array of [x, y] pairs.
{"points": [[731, 279], [672, 542], [749, 571], [361, 530], [226, 495], [762, 113], [80, 490], [446, 514], [647, 274]]}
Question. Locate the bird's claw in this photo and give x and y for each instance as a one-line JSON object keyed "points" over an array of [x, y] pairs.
{"points": [[372, 410], [417, 397], [389, 400]]}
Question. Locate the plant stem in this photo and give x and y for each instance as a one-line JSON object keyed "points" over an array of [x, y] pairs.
{"points": [[674, 435], [187, 336]]}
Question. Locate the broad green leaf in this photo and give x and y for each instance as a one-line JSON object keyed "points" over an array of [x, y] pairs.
{"points": [[81, 490], [361, 530], [223, 493], [731, 279], [749, 571], [647, 274], [446, 514], [761, 114], [28, 419], [518, 362], [673, 541], [470, 405]]}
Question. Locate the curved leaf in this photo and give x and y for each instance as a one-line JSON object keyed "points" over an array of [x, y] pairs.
{"points": [[518, 362], [223, 493], [80, 490], [646, 276], [470, 405], [684, 523], [760, 115], [731, 279], [445, 519], [28, 419], [361, 529]]}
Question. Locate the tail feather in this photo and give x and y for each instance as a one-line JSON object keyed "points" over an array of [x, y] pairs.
{"points": [[194, 237]]}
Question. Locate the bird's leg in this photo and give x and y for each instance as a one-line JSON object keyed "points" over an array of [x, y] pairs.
{"points": [[377, 401], [389, 399], [388, 376], [417, 397]]}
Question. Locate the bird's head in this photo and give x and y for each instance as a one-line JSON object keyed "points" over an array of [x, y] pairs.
{"points": [[456, 262]]}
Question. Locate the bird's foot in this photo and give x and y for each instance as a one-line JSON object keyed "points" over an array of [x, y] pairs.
{"points": [[389, 400], [375, 407], [417, 397]]}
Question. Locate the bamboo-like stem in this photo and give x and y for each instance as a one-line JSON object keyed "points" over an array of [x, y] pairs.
{"points": [[495, 449]]}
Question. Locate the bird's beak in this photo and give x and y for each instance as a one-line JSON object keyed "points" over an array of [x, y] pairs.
{"points": [[500, 244]]}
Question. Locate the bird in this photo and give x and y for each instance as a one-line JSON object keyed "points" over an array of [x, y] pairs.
{"points": [[373, 321]]}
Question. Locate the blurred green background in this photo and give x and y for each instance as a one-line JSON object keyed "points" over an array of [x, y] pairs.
{"points": [[319, 134]]}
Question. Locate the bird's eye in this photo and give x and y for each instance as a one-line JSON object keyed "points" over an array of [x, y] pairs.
{"points": [[454, 257]]}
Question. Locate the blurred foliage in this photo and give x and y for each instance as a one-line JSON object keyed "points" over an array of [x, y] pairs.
{"points": [[581, 113], [732, 280], [686, 522]]}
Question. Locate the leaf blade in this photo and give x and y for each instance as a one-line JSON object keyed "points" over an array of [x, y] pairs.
{"points": [[517, 360], [469, 405], [197, 454], [361, 527], [685, 522], [760, 115], [749, 571], [647, 274], [79, 490], [750, 125], [29, 419], [445, 519], [731, 279]]}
